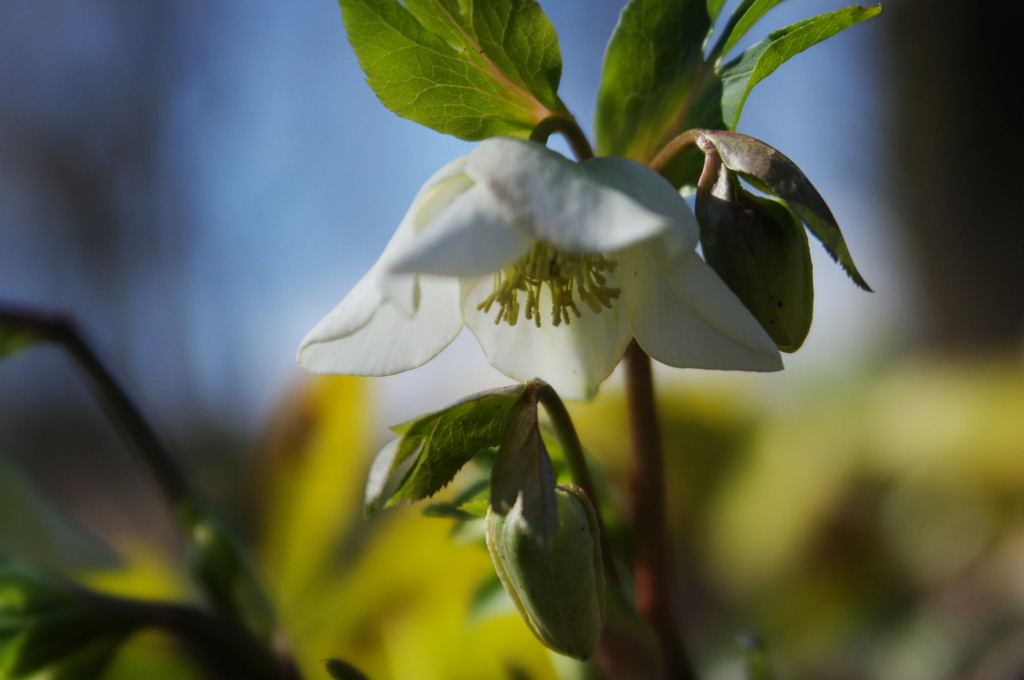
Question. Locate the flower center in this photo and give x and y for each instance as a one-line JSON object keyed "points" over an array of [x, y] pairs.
{"points": [[568, 276]]}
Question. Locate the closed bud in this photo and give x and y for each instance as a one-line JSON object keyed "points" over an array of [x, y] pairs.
{"points": [[759, 248], [555, 580]]}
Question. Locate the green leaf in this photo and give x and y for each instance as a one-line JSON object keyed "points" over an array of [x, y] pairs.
{"points": [[770, 171], [27, 595], [432, 448], [473, 69], [60, 651], [742, 20], [741, 75], [759, 248], [651, 66], [50, 628], [470, 504], [714, 8]]}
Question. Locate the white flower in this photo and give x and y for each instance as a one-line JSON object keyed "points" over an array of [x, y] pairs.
{"points": [[553, 265]]}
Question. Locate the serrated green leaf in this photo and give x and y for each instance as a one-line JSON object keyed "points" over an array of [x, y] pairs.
{"points": [[772, 172], [651, 67], [432, 448], [742, 20], [386, 473], [450, 440], [470, 504], [465, 68], [741, 75]]}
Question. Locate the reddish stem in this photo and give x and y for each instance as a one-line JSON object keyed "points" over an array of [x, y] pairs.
{"points": [[647, 505]]}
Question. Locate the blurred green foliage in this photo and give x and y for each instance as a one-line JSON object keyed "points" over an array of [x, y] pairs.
{"points": [[867, 527]]}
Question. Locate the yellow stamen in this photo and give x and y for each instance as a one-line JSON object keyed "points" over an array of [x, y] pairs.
{"points": [[568, 276]]}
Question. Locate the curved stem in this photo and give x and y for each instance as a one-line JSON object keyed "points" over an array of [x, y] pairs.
{"points": [[121, 409], [676, 146], [151, 452], [572, 449], [647, 499], [568, 129]]}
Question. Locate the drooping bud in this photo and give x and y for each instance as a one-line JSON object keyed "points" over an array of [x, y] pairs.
{"points": [[759, 248], [556, 581]]}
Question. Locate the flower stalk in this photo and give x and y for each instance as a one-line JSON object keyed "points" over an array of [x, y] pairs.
{"points": [[572, 449], [652, 564], [220, 568], [569, 129], [676, 146], [138, 433]]}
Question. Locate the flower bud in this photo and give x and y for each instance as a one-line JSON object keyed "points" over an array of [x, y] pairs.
{"points": [[556, 581], [759, 248]]}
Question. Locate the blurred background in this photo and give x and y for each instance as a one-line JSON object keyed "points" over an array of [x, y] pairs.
{"points": [[199, 182]]}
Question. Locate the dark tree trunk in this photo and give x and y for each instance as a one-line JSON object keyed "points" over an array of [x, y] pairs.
{"points": [[958, 152]]}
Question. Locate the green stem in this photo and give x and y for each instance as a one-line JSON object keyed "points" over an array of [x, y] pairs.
{"points": [[652, 572], [572, 449], [227, 651], [153, 455], [122, 410], [568, 129], [676, 146]]}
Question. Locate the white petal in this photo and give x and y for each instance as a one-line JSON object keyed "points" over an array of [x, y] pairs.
{"points": [[552, 199], [649, 189], [351, 314], [470, 237], [358, 338], [446, 185], [574, 358], [684, 315], [442, 188]]}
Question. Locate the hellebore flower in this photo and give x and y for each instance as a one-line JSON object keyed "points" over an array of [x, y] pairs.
{"points": [[553, 265]]}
